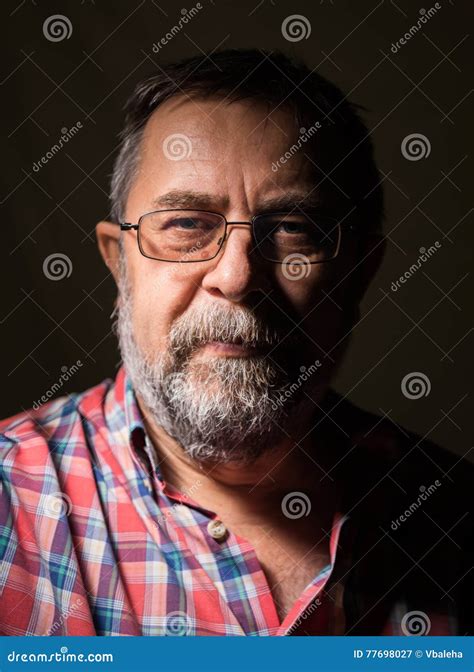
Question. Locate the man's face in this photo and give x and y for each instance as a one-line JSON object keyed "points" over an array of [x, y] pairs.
{"points": [[173, 318]]}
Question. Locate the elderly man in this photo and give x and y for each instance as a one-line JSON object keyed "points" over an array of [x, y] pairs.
{"points": [[219, 486]]}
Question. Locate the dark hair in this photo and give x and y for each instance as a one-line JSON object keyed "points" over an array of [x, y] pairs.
{"points": [[341, 151]]}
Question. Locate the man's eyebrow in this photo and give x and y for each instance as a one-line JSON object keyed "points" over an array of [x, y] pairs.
{"points": [[288, 201], [183, 199]]}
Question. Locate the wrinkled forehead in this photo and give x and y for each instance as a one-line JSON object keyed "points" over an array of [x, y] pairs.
{"points": [[217, 144], [220, 125]]}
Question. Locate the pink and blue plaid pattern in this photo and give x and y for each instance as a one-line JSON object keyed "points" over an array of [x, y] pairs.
{"points": [[92, 542]]}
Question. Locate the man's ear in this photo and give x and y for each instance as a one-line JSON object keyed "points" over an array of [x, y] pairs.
{"points": [[108, 236], [371, 254]]}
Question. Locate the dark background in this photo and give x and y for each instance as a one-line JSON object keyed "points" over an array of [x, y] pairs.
{"points": [[425, 88]]}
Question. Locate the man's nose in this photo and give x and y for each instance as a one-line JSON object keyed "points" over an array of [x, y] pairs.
{"points": [[239, 269]]}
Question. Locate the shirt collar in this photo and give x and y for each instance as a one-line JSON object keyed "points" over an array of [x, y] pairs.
{"points": [[130, 423], [133, 422]]}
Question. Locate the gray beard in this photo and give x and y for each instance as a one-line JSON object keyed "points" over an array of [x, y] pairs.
{"points": [[218, 409]]}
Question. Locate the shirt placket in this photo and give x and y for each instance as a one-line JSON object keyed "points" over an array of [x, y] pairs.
{"points": [[258, 615], [214, 607], [323, 595]]}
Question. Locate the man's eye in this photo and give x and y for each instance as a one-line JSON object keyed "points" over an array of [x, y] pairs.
{"points": [[190, 224], [293, 227], [185, 223]]}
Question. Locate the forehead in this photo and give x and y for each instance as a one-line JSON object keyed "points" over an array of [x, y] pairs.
{"points": [[218, 123], [216, 145]]}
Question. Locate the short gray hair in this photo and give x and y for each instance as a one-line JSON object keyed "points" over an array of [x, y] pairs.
{"points": [[343, 149]]}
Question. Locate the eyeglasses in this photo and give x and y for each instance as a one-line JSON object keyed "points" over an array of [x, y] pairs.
{"points": [[185, 236]]}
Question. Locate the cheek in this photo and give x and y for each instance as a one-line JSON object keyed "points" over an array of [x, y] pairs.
{"points": [[160, 295], [303, 286], [324, 326], [317, 304]]}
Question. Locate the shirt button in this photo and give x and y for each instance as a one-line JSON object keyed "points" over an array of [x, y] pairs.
{"points": [[217, 529]]}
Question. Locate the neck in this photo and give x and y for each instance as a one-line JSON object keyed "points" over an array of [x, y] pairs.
{"points": [[295, 464]]}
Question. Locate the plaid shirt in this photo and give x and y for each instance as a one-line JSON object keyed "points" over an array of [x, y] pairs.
{"points": [[93, 542]]}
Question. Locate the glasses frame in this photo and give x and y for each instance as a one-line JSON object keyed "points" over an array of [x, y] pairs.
{"points": [[126, 226]]}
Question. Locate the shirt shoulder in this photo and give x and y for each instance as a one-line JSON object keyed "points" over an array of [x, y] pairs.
{"points": [[410, 503], [405, 484], [380, 446], [48, 425]]}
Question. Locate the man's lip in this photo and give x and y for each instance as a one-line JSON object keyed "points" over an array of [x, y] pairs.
{"points": [[232, 344], [230, 347]]}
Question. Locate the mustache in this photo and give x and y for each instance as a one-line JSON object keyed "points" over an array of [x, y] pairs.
{"points": [[241, 326]]}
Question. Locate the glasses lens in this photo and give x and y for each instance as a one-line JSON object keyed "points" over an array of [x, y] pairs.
{"points": [[282, 234], [181, 235]]}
